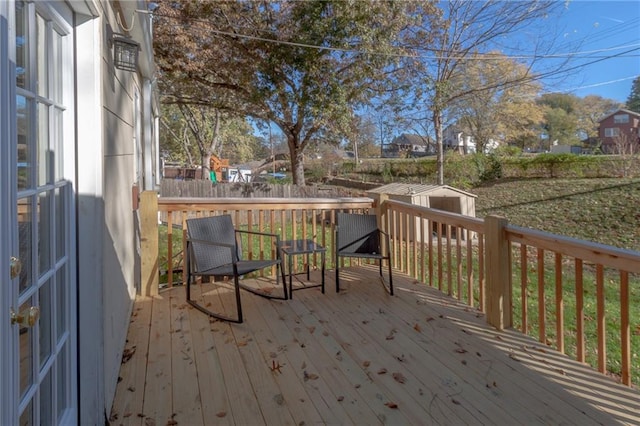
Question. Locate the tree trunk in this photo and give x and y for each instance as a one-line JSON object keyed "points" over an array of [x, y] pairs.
{"points": [[297, 159], [437, 124]]}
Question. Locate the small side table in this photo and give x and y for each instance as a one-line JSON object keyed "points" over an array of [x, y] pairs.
{"points": [[291, 248]]}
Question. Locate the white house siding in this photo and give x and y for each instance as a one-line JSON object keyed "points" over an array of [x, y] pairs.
{"points": [[107, 172]]}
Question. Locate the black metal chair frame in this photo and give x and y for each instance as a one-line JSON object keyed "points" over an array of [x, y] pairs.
{"points": [[220, 255], [358, 236]]}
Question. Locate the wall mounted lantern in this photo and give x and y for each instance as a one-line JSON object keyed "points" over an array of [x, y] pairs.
{"points": [[125, 52]]}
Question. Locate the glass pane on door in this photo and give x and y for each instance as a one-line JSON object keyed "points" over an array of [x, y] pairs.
{"points": [[25, 234]]}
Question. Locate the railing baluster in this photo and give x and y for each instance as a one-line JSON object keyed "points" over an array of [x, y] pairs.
{"points": [[523, 289], [625, 330], [601, 320], [580, 345], [542, 333], [170, 249], [559, 305]]}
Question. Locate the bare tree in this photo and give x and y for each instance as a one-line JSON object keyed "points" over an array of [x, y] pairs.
{"points": [[466, 30], [625, 146]]}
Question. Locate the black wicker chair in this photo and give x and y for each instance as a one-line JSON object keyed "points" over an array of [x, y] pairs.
{"points": [[358, 235], [214, 249]]}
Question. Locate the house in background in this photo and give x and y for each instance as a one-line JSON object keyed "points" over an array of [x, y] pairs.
{"points": [[454, 139], [408, 145], [619, 132], [78, 143]]}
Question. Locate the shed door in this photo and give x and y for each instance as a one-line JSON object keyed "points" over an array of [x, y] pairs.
{"points": [[38, 364]]}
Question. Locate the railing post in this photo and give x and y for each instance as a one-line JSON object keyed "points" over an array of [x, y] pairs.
{"points": [[497, 295], [381, 211], [149, 243]]}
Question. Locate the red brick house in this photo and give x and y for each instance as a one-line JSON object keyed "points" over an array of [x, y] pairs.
{"points": [[619, 132]]}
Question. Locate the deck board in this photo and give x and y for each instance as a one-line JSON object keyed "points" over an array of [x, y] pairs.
{"points": [[338, 354]]}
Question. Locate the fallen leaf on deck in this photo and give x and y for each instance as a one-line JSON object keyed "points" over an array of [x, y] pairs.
{"points": [[221, 414], [366, 363], [455, 401], [311, 329], [430, 319], [382, 371], [416, 327], [244, 343], [391, 405], [461, 351], [172, 422], [310, 376], [399, 377], [127, 354], [340, 398]]}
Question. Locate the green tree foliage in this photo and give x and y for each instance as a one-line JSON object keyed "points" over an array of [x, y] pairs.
{"points": [[633, 101], [192, 133], [560, 120], [303, 65]]}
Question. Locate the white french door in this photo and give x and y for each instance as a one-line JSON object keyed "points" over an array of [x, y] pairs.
{"points": [[39, 363]]}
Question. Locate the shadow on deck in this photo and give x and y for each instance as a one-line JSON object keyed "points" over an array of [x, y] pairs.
{"points": [[358, 357]]}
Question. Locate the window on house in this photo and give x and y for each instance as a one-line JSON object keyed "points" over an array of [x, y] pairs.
{"points": [[621, 118], [611, 132]]}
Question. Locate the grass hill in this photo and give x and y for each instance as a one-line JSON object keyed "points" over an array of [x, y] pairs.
{"points": [[600, 210]]}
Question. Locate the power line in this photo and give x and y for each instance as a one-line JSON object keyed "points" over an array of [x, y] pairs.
{"points": [[482, 56]]}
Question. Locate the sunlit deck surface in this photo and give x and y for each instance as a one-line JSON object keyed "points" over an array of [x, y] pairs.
{"points": [[358, 357]]}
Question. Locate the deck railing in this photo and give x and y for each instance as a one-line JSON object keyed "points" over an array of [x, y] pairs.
{"points": [[579, 297]]}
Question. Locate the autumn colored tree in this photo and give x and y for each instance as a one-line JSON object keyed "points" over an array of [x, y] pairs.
{"points": [[499, 106], [590, 110], [302, 65]]}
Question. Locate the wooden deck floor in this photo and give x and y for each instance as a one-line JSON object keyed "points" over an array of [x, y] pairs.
{"points": [[358, 357]]}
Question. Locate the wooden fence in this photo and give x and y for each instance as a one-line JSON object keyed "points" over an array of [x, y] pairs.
{"points": [[171, 188]]}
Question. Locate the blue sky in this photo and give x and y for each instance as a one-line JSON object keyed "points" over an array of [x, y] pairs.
{"points": [[597, 25]]}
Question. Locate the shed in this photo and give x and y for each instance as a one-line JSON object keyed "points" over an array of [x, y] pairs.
{"points": [[442, 197]]}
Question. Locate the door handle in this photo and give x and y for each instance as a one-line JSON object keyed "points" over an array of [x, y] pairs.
{"points": [[16, 266], [27, 318]]}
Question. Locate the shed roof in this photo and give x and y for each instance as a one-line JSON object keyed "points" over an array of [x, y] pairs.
{"points": [[415, 189]]}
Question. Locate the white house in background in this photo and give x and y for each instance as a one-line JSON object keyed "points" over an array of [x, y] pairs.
{"points": [[78, 142], [454, 139]]}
